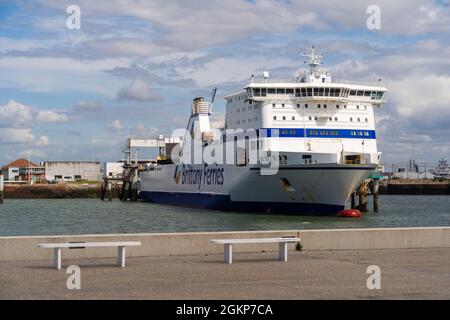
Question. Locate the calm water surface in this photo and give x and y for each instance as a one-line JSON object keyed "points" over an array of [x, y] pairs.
{"points": [[92, 216]]}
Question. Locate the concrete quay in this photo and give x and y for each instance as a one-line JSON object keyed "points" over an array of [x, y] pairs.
{"points": [[414, 264], [405, 274]]}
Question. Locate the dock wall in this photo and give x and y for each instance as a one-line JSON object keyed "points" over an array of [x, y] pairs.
{"points": [[169, 244]]}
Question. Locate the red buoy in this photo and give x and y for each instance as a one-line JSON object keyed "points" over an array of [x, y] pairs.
{"points": [[351, 213]]}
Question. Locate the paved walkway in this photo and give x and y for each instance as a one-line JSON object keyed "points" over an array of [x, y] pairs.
{"points": [[405, 274]]}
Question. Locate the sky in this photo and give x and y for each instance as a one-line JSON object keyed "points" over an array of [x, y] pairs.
{"points": [[133, 67]]}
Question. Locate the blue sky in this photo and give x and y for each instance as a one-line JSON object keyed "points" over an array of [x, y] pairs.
{"points": [[134, 67]]}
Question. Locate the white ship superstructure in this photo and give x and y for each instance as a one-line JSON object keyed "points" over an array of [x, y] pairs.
{"points": [[321, 131]]}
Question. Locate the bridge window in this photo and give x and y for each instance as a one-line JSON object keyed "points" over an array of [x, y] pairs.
{"points": [[271, 90], [352, 92], [327, 92], [359, 93], [281, 91], [337, 92], [367, 93], [289, 91]]}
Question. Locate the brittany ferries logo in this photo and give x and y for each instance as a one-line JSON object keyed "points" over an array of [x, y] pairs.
{"points": [[187, 174]]}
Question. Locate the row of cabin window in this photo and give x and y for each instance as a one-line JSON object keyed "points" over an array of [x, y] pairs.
{"points": [[249, 108], [315, 118], [299, 92], [318, 106], [323, 92], [247, 121], [239, 98]]}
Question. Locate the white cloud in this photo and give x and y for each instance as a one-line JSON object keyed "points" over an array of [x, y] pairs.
{"points": [[116, 125], [51, 116], [42, 141], [424, 98], [138, 90], [14, 114], [12, 135]]}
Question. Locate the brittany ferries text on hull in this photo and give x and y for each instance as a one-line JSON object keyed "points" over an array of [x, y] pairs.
{"points": [[314, 141]]}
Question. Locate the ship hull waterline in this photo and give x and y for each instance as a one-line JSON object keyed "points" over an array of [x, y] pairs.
{"points": [[315, 189]]}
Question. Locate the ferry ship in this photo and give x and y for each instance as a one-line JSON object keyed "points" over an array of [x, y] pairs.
{"points": [[315, 141]]}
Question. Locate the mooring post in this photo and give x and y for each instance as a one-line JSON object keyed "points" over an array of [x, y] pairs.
{"points": [[375, 191], [353, 201], [1, 187], [363, 197], [109, 191], [102, 191]]}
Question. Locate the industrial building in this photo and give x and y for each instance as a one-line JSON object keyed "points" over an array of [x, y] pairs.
{"points": [[58, 171], [113, 169], [22, 170]]}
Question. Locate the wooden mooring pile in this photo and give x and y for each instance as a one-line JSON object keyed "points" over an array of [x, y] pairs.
{"points": [[1, 188], [126, 186], [372, 185]]}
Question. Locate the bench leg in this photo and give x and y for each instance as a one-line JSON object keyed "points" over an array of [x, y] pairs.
{"points": [[57, 258], [121, 256], [228, 253], [282, 251]]}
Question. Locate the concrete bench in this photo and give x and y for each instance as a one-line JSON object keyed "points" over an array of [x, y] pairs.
{"points": [[282, 246], [82, 245]]}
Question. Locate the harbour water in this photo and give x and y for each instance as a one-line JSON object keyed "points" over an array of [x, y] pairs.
{"points": [[92, 216]]}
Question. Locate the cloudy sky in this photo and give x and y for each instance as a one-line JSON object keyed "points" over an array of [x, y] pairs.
{"points": [[133, 67]]}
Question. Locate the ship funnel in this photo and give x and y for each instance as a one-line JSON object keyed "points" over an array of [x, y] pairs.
{"points": [[200, 106]]}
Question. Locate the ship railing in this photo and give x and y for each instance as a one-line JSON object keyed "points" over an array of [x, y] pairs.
{"points": [[335, 81]]}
